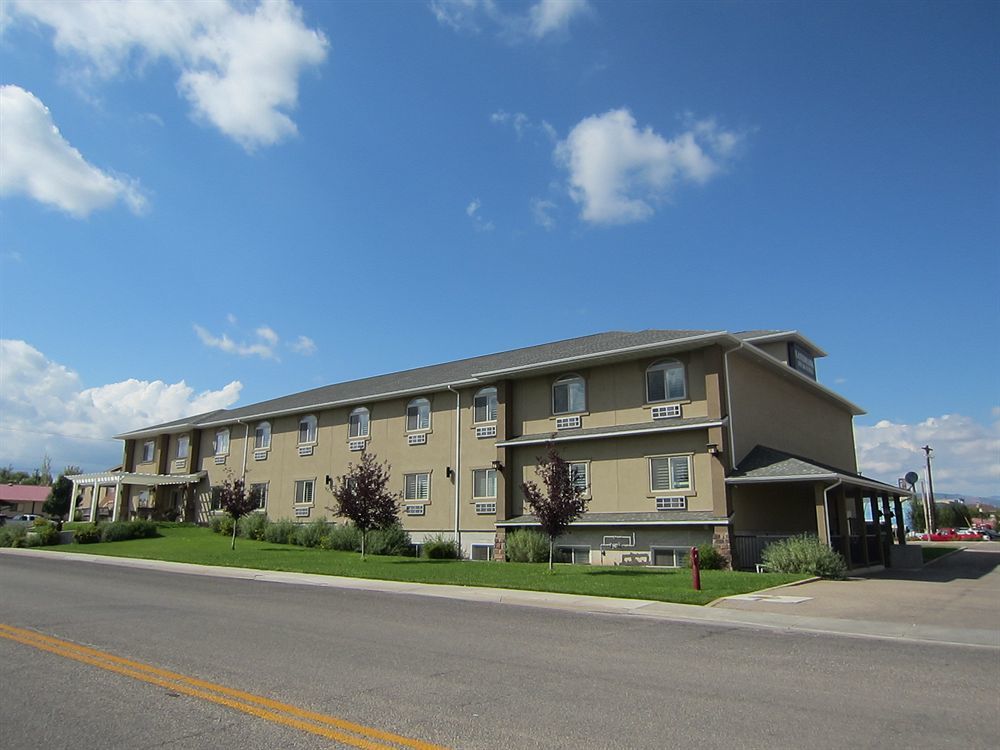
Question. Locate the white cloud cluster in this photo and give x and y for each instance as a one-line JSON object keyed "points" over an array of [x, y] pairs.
{"points": [[265, 345], [39, 163], [522, 124], [239, 62], [45, 409], [480, 224], [543, 18], [619, 173], [966, 456], [541, 210]]}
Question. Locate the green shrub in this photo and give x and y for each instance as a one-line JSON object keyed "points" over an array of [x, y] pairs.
{"points": [[87, 534], [43, 534], [142, 529], [527, 545], [116, 531], [345, 538], [280, 532], [709, 558], [391, 541], [253, 526], [221, 523], [312, 533], [14, 536], [440, 547], [804, 554]]}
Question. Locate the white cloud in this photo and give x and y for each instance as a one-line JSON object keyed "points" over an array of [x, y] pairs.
{"points": [[480, 224], [239, 62], [46, 409], [619, 173], [40, 164], [544, 18], [541, 210], [523, 124], [264, 347], [303, 345], [966, 456]]}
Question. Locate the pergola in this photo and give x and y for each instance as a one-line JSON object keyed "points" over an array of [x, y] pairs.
{"points": [[118, 479]]}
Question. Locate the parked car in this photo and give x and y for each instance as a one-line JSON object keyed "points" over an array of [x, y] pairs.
{"points": [[25, 518], [988, 535]]}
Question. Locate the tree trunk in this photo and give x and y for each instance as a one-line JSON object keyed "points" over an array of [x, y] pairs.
{"points": [[235, 523], [363, 534], [552, 544]]}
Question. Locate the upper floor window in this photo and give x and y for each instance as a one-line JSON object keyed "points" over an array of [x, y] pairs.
{"points": [[665, 381], [183, 443], [258, 492], [358, 423], [222, 442], [668, 473], [484, 484], [262, 436], [417, 486], [579, 472], [305, 490], [569, 395], [147, 451], [307, 430], [418, 415], [485, 406]]}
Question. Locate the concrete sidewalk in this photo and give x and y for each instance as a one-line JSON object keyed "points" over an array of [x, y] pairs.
{"points": [[985, 636]]}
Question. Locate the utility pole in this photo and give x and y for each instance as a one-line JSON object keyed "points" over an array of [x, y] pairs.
{"points": [[929, 511]]}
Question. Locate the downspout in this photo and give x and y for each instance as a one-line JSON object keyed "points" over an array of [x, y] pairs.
{"points": [[246, 440], [458, 464], [826, 508], [729, 405]]}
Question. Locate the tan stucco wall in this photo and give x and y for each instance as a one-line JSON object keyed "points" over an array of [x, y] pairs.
{"points": [[775, 508], [781, 412]]}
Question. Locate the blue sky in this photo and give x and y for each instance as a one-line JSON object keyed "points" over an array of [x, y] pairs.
{"points": [[246, 200]]}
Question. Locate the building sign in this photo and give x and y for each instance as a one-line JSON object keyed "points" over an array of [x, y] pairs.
{"points": [[800, 359]]}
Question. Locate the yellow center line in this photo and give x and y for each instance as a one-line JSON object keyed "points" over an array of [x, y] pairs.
{"points": [[255, 705]]}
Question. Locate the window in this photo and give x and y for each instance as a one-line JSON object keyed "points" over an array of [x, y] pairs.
{"points": [[575, 555], [262, 436], [665, 381], [417, 486], [259, 491], [183, 442], [484, 483], [670, 557], [358, 423], [481, 551], [147, 451], [418, 415], [579, 472], [304, 490], [670, 473], [307, 430], [484, 406], [222, 442], [569, 395], [214, 500]]}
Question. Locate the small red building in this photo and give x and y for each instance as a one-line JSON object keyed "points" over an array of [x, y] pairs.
{"points": [[23, 498]]}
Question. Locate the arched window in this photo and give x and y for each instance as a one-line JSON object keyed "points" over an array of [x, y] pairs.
{"points": [[418, 415], [307, 430], [358, 423], [569, 395], [262, 436], [485, 406], [665, 381], [222, 442]]}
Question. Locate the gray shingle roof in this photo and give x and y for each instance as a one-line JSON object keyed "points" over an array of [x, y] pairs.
{"points": [[665, 517], [763, 462], [585, 433]]}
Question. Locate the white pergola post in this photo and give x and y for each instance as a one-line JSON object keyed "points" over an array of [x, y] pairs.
{"points": [[118, 500], [72, 502], [93, 503]]}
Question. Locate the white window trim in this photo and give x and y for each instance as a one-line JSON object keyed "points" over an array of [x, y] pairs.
{"points": [[560, 547], [267, 491], [152, 452], [184, 440], [565, 379], [315, 430], [586, 469], [489, 555], [368, 424], [304, 503], [663, 548], [229, 441], [496, 405], [414, 500], [418, 428], [689, 490], [663, 365], [476, 497], [267, 446]]}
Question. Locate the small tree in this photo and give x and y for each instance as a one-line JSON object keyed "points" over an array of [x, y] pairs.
{"points": [[237, 501], [560, 503], [362, 497], [58, 501]]}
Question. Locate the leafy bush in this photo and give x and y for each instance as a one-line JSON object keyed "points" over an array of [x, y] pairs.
{"points": [[804, 554], [391, 541], [14, 536], [527, 545], [142, 529], [253, 526], [440, 547], [87, 534], [709, 558], [312, 533], [280, 532], [346, 538], [116, 531], [43, 534], [221, 523]]}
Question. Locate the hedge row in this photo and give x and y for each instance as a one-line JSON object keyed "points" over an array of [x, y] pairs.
{"points": [[319, 533], [116, 531]]}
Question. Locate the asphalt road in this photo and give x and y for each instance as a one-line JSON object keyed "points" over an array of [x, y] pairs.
{"points": [[458, 674]]}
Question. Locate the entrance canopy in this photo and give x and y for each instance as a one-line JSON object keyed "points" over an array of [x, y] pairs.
{"points": [[117, 479]]}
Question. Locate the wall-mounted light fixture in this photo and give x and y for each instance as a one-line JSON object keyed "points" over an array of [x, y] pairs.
{"points": [[329, 481], [713, 449], [498, 466], [448, 472]]}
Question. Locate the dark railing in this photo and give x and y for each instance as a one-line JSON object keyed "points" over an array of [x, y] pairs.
{"points": [[747, 548]]}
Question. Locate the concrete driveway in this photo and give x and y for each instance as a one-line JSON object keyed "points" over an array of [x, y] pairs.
{"points": [[961, 590]]}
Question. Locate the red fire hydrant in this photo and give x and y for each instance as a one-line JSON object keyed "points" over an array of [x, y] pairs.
{"points": [[695, 569]]}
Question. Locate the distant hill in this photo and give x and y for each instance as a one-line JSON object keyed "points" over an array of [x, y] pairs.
{"points": [[988, 503]]}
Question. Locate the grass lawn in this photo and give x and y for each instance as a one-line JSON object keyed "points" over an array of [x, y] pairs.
{"points": [[201, 546], [933, 553]]}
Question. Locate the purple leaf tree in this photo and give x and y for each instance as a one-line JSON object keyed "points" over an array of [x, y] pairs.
{"points": [[363, 498], [559, 501], [236, 500]]}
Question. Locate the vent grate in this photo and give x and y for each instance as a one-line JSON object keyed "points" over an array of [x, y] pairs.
{"points": [[568, 423]]}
